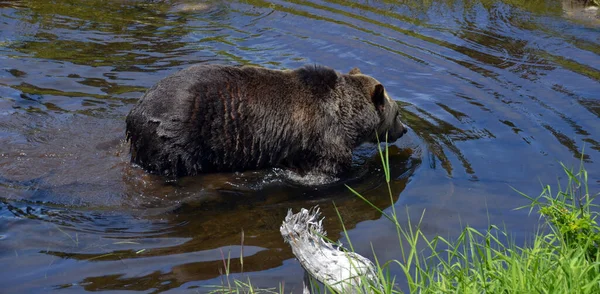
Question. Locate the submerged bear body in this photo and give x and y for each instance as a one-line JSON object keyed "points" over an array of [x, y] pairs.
{"points": [[217, 118]]}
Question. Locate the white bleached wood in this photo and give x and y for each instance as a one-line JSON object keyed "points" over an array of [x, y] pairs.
{"points": [[343, 271]]}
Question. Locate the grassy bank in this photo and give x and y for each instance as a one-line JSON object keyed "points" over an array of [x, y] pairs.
{"points": [[562, 257]]}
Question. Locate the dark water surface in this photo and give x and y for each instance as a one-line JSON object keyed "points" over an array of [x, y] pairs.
{"points": [[495, 94]]}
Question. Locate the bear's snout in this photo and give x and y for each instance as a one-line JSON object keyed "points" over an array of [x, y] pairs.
{"points": [[397, 130], [404, 128]]}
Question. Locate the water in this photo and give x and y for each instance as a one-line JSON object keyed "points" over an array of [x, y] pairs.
{"points": [[496, 94]]}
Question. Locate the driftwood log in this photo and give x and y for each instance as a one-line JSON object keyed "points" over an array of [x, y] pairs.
{"points": [[339, 269]]}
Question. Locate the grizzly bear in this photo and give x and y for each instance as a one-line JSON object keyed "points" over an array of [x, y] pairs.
{"points": [[219, 118]]}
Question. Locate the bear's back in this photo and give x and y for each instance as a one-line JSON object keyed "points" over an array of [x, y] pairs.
{"points": [[221, 118]]}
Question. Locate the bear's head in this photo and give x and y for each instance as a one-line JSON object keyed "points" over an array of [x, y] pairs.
{"points": [[387, 110]]}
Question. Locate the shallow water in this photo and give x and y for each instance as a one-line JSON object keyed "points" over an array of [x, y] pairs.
{"points": [[496, 94]]}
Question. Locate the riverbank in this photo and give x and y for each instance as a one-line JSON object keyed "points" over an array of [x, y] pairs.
{"points": [[561, 257]]}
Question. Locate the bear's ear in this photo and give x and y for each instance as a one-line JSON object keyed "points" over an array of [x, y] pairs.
{"points": [[378, 97], [354, 71]]}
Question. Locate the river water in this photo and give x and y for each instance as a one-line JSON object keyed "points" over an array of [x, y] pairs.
{"points": [[495, 93]]}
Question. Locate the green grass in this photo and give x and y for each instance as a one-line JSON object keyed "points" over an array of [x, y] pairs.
{"points": [[561, 257]]}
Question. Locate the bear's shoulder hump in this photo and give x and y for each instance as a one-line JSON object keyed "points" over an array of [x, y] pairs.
{"points": [[318, 77]]}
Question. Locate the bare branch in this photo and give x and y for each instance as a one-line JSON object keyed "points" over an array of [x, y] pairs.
{"points": [[334, 266]]}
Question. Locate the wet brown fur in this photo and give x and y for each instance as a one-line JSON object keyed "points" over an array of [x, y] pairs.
{"points": [[216, 118]]}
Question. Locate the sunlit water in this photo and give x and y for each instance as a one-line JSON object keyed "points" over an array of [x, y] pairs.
{"points": [[495, 94]]}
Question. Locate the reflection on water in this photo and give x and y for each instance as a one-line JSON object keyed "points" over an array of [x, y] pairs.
{"points": [[496, 93]]}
